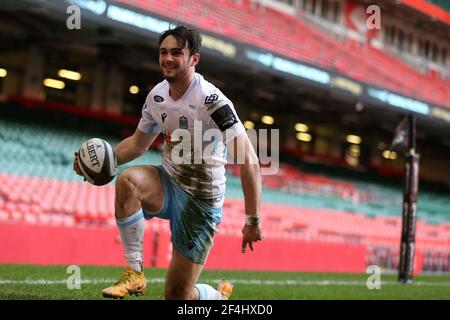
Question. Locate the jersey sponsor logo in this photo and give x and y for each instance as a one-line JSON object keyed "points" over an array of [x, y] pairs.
{"points": [[224, 117], [211, 98], [163, 116], [183, 122], [158, 98]]}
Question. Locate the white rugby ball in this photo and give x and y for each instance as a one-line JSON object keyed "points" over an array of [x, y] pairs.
{"points": [[97, 161]]}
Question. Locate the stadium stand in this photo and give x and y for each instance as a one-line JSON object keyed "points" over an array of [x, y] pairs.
{"points": [[271, 30], [23, 143], [305, 204], [39, 188]]}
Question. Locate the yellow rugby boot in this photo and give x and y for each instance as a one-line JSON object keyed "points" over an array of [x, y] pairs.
{"points": [[131, 282], [225, 288]]}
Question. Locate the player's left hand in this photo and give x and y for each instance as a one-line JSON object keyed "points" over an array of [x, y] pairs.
{"points": [[250, 234]]}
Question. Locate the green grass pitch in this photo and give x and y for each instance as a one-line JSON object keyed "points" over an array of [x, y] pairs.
{"points": [[50, 282]]}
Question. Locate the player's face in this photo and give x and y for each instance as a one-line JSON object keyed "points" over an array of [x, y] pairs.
{"points": [[175, 62]]}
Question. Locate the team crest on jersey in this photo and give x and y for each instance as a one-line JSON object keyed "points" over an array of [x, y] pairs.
{"points": [[183, 122], [163, 116], [158, 98]]}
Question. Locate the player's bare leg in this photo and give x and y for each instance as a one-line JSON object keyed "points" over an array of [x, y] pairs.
{"points": [[137, 188], [181, 280]]}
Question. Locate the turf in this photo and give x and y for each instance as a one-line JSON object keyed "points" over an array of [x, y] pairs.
{"points": [[50, 282]]}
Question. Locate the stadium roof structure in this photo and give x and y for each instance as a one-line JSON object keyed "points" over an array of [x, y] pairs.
{"points": [[114, 23]]}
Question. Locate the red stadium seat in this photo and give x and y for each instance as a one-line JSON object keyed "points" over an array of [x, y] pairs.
{"points": [[272, 30]]}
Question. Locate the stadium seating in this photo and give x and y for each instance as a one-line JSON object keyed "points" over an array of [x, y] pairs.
{"points": [[272, 30], [40, 151], [39, 187], [35, 200], [37, 150]]}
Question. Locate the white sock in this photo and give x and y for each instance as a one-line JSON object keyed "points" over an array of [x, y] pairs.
{"points": [[132, 234], [206, 292]]}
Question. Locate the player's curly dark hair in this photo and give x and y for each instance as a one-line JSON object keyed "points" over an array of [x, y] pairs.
{"points": [[184, 35]]}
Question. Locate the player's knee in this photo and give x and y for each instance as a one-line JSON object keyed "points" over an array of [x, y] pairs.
{"points": [[178, 293], [126, 184]]}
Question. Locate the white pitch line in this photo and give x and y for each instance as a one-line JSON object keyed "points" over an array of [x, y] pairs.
{"points": [[234, 281]]}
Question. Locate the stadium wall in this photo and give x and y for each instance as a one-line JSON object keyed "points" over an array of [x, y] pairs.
{"points": [[47, 245]]}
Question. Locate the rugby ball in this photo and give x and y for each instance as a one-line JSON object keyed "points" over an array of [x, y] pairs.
{"points": [[97, 161]]}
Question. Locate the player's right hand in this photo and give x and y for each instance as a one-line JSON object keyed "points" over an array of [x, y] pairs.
{"points": [[76, 166]]}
